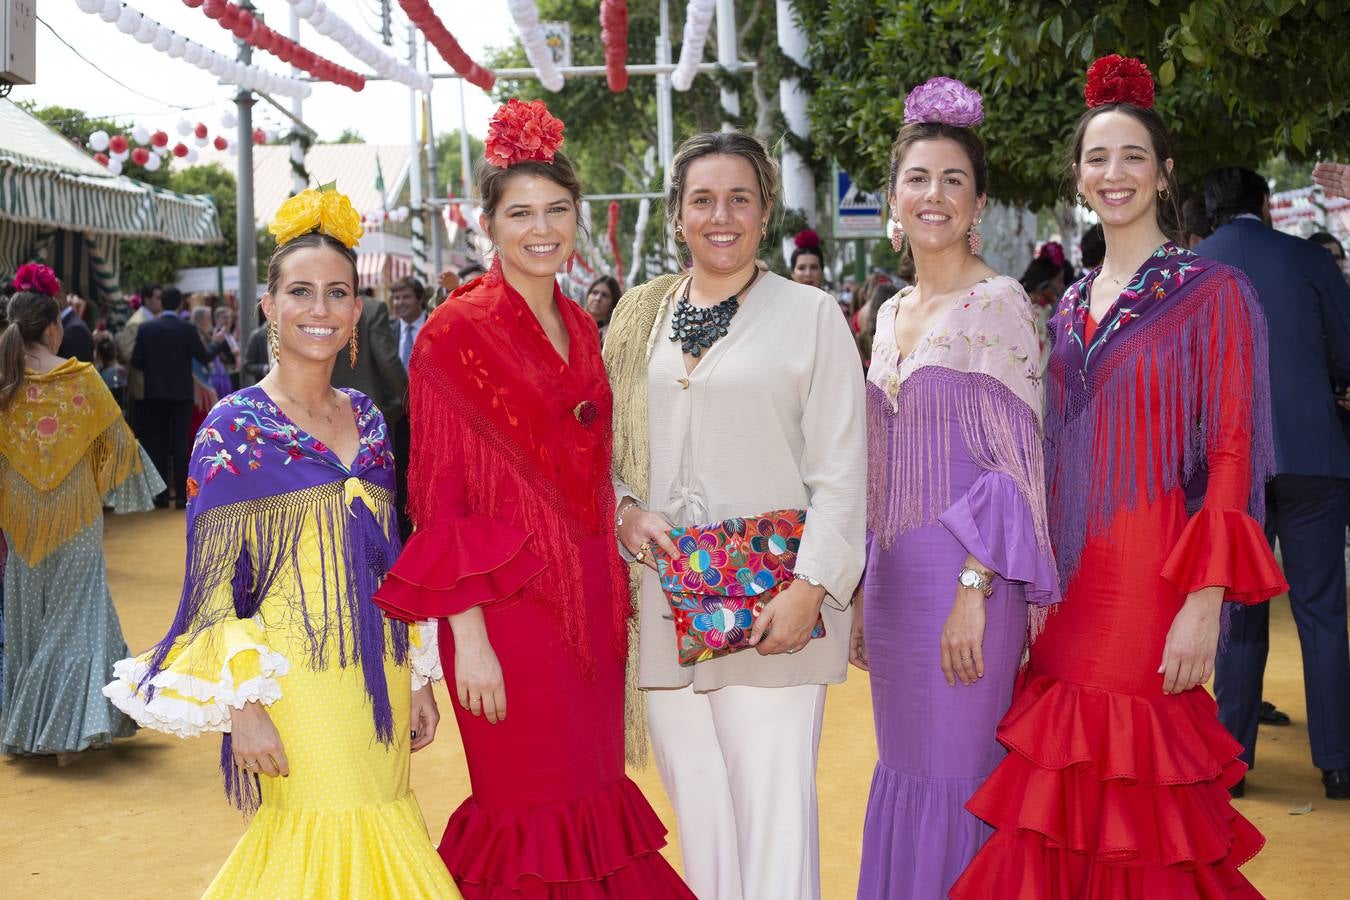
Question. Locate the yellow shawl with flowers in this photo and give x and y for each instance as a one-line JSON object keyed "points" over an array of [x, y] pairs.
{"points": [[63, 445]]}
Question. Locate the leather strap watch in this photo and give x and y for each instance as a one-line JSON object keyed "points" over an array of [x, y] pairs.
{"points": [[976, 580]]}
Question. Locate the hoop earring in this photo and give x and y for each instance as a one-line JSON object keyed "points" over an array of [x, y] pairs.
{"points": [[1164, 194], [273, 340], [679, 233], [974, 239], [353, 347]]}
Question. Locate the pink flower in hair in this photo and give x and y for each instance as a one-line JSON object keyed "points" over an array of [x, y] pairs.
{"points": [[946, 101], [37, 278]]}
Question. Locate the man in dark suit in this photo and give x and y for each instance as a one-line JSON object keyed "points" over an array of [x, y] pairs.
{"points": [[378, 373], [408, 302], [165, 348], [77, 340], [1307, 306]]}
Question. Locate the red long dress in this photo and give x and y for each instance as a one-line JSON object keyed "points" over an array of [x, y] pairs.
{"points": [[510, 493], [1113, 789]]}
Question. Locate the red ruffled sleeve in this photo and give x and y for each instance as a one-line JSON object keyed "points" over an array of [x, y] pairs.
{"points": [[1222, 545], [456, 564], [1225, 547]]}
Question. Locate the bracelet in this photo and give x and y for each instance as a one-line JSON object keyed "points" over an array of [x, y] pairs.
{"points": [[623, 511], [809, 580]]}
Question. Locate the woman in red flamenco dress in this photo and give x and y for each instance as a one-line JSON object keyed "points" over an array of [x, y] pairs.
{"points": [[514, 550], [1158, 446]]}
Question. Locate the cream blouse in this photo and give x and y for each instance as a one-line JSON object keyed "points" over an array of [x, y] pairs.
{"points": [[771, 418]]}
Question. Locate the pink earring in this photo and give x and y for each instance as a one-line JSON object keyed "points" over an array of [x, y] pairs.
{"points": [[571, 261], [897, 234], [974, 239]]}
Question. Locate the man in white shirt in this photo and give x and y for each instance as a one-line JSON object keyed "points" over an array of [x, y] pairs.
{"points": [[407, 300]]}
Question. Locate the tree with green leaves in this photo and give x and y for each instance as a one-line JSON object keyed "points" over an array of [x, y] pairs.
{"points": [[1239, 82]]}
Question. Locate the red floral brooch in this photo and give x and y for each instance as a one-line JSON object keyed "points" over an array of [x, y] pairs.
{"points": [[585, 412], [523, 131], [37, 278], [1119, 79]]}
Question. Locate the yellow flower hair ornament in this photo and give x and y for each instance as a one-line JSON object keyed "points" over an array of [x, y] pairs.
{"points": [[325, 210]]}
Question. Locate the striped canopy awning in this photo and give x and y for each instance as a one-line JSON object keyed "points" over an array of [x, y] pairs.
{"points": [[377, 270], [46, 181]]}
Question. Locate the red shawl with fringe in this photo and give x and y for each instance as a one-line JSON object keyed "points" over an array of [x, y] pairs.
{"points": [[509, 466]]}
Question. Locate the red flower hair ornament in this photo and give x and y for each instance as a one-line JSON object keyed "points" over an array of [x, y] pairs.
{"points": [[37, 278], [523, 131], [1119, 79]]}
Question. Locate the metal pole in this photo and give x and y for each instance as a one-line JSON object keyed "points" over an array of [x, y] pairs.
{"points": [[245, 230], [665, 126], [416, 212], [465, 164], [298, 181], [727, 58], [437, 250]]}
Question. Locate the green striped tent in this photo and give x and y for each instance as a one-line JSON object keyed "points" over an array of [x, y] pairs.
{"points": [[59, 206]]}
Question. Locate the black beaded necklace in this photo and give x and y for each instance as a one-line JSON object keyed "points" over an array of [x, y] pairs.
{"points": [[696, 328]]}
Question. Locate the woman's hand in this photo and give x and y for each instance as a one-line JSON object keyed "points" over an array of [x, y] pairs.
{"points": [[424, 717], [857, 644], [478, 675], [963, 638], [787, 621], [255, 743], [1192, 641], [641, 530]]}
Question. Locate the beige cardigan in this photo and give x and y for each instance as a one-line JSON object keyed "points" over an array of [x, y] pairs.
{"points": [[772, 418]]}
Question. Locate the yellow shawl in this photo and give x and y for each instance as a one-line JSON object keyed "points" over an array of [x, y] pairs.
{"points": [[57, 421], [627, 349]]}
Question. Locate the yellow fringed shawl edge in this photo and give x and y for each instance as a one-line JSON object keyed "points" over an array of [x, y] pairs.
{"points": [[626, 351], [43, 507]]}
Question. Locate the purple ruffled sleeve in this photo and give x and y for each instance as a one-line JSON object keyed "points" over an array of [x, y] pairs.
{"points": [[994, 523]]}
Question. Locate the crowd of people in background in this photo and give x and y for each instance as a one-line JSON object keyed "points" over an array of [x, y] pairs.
{"points": [[1009, 443]]}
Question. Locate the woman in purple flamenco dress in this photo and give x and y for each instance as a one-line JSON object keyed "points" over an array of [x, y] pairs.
{"points": [[958, 544]]}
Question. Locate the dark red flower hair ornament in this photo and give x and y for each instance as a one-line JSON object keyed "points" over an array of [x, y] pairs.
{"points": [[523, 131], [37, 278], [806, 239], [1119, 79]]}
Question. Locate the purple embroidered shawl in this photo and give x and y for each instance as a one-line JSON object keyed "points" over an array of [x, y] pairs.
{"points": [[1157, 344], [256, 481]]}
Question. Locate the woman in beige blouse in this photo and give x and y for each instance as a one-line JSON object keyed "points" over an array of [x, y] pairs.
{"points": [[761, 410]]}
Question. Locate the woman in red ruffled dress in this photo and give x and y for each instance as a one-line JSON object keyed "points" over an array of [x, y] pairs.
{"points": [[510, 494], [1158, 446]]}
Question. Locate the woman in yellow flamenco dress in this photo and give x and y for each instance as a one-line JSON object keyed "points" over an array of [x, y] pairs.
{"points": [[291, 526]]}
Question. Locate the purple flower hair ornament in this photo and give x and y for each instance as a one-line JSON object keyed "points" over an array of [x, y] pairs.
{"points": [[946, 101]]}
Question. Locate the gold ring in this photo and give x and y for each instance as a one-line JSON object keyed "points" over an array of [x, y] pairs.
{"points": [[646, 545], [640, 555]]}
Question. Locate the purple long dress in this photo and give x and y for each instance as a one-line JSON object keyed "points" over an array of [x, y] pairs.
{"points": [[955, 469]]}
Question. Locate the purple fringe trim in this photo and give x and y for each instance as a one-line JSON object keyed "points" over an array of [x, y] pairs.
{"points": [[357, 547], [1209, 342]]}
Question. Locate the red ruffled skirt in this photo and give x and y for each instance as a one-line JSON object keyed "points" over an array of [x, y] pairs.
{"points": [[552, 815], [1113, 790]]}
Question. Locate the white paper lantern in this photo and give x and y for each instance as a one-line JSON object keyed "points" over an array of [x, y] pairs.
{"points": [[89, 6], [177, 46], [162, 151], [163, 39], [111, 11], [192, 52], [232, 149], [128, 21], [304, 8], [115, 166], [119, 155], [141, 135], [192, 155], [227, 119], [147, 31], [153, 163], [184, 127], [98, 141]]}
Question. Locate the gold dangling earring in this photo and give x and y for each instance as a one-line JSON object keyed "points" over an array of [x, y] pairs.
{"points": [[273, 341], [1080, 199], [352, 348], [679, 233], [1164, 194]]}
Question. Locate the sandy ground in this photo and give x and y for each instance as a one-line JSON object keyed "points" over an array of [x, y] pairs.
{"points": [[147, 819]]}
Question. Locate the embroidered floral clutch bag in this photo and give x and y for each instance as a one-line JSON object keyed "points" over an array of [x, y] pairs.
{"points": [[724, 575]]}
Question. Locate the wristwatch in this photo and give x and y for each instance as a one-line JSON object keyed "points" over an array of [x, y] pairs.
{"points": [[974, 578]]}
